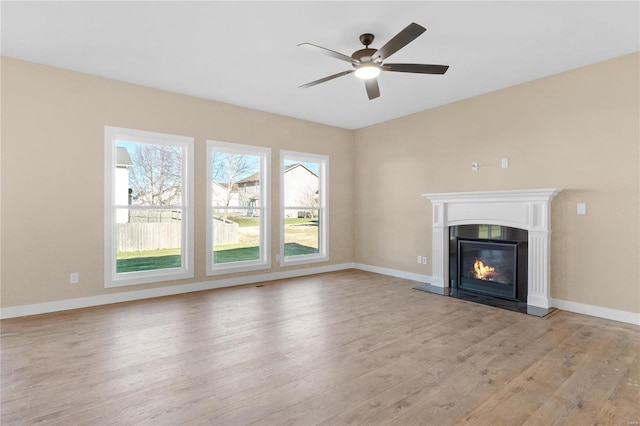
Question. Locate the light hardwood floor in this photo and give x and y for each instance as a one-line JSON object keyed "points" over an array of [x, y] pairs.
{"points": [[341, 348]]}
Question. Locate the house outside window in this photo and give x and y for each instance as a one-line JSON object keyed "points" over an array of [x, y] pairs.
{"points": [[304, 208], [122, 192], [148, 207], [238, 225]]}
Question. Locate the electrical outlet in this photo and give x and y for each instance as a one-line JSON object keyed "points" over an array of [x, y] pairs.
{"points": [[474, 166], [582, 208], [419, 259], [505, 163], [74, 277], [424, 260]]}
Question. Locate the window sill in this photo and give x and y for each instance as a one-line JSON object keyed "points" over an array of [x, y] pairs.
{"points": [[237, 267], [137, 278], [302, 260]]}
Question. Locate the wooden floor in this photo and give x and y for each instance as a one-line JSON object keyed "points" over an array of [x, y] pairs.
{"points": [[349, 347]]}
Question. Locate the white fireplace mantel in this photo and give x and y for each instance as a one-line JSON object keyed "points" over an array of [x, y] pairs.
{"points": [[528, 209]]}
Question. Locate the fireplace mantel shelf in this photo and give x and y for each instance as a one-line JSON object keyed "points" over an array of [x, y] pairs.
{"points": [[528, 209], [495, 196]]}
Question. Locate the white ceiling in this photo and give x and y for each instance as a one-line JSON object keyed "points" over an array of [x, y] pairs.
{"points": [[244, 53]]}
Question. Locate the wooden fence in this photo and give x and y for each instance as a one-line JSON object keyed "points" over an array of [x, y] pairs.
{"points": [[139, 236], [148, 236], [225, 232]]}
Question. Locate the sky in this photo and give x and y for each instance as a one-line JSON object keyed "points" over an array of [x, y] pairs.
{"points": [[131, 148]]}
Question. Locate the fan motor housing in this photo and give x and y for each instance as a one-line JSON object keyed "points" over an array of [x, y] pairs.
{"points": [[363, 55]]}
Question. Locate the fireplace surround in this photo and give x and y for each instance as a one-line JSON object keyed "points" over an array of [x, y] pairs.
{"points": [[486, 267], [528, 209]]}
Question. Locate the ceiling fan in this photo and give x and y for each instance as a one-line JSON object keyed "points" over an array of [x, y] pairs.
{"points": [[367, 63]]}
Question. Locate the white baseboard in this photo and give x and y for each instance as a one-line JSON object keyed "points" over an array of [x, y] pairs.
{"points": [[578, 308], [597, 311], [394, 273], [128, 296]]}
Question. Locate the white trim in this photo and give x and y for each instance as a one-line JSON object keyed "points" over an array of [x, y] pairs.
{"points": [[578, 308], [264, 260], [86, 302], [394, 273], [598, 311], [323, 208], [111, 277], [508, 196], [528, 209]]}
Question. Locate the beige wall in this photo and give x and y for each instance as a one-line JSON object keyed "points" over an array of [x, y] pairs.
{"points": [[578, 130], [52, 172]]}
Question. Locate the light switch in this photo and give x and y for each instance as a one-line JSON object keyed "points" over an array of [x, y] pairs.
{"points": [[582, 208]]}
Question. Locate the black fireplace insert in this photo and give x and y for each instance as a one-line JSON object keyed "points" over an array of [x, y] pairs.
{"points": [[488, 267], [489, 261]]}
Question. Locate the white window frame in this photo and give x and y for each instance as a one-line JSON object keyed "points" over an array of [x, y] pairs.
{"points": [[186, 270], [264, 260], [323, 208]]}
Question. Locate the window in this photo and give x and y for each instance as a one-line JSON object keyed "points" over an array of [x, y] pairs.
{"points": [[238, 207], [304, 208], [148, 207]]}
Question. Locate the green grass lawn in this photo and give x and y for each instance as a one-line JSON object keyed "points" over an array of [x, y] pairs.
{"points": [[170, 258], [295, 249], [237, 254], [300, 221], [147, 260]]}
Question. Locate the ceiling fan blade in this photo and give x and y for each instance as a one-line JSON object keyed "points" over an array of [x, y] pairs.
{"points": [[416, 68], [322, 80], [373, 90], [329, 52], [404, 37]]}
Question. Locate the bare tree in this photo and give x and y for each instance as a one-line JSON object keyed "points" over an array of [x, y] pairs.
{"points": [[308, 197], [156, 175], [228, 169]]}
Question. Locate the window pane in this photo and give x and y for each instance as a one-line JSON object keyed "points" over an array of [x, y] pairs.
{"points": [[149, 194], [148, 239], [236, 235], [238, 191], [301, 232], [301, 184], [235, 179], [303, 180], [148, 174]]}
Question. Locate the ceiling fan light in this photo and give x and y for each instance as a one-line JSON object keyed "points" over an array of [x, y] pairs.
{"points": [[367, 71]]}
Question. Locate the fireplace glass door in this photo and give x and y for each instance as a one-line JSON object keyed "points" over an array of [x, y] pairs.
{"points": [[488, 267]]}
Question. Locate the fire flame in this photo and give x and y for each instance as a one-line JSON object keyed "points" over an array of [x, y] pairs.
{"points": [[482, 272]]}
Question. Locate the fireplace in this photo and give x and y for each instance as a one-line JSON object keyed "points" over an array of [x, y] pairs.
{"points": [[488, 267], [514, 213], [490, 260]]}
